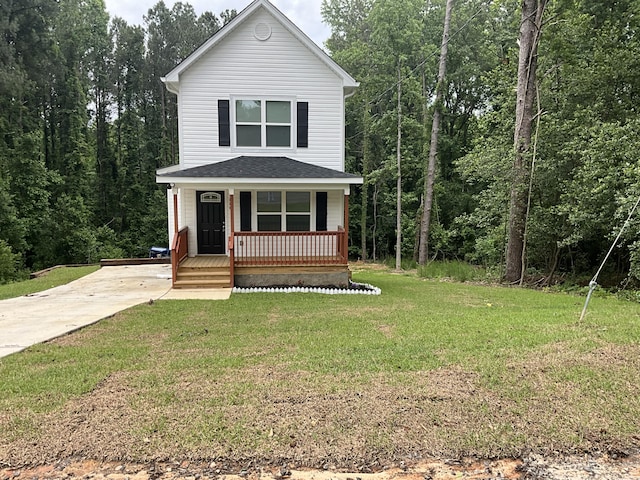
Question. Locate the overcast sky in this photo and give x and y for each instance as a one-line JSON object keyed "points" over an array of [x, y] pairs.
{"points": [[304, 13]]}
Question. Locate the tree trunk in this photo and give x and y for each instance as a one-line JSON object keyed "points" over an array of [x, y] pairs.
{"points": [[430, 174], [374, 233], [365, 187], [530, 189], [530, 29], [399, 175]]}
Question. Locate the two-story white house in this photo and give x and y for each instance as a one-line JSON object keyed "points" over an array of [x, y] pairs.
{"points": [[260, 196]]}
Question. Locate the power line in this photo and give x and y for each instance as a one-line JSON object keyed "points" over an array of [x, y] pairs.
{"points": [[594, 281], [413, 71], [395, 85]]}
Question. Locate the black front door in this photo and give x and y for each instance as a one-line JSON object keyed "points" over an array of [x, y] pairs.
{"points": [[210, 211]]}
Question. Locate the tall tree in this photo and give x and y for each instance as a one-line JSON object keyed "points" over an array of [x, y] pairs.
{"points": [[399, 173], [396, 37], [349, 45], [430, 171], [530, 31]]}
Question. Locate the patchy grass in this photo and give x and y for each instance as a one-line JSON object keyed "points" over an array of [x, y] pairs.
{"points": [[54, 278], [452, 270], [428, 368]]}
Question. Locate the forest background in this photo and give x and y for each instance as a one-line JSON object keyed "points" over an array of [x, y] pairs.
{"points": [[85, 121]]}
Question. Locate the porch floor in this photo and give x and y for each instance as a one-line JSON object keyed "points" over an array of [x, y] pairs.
{"points": [[206, 261]]}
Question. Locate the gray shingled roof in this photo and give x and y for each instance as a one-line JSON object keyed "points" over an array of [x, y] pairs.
{"points": [[260, 167]]}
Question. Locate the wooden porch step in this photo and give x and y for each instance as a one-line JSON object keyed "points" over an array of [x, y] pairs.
{"points": [[204, 275], [207, 271], [201, 273], [201, 283]]}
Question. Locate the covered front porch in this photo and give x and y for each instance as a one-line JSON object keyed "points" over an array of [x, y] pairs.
{"points": [[264, 259], [259, 221]]}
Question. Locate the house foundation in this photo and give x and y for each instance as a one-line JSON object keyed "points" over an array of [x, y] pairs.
{"points": [[335, 276]]}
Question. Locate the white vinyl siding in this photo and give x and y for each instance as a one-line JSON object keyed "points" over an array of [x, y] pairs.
{"points": [[335, 209], [240, 66], [191, 220]]}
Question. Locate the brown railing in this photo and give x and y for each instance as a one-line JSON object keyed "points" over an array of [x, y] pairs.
{"points": [[232, 257], [179, 251], [343, 251], [290, 248]]}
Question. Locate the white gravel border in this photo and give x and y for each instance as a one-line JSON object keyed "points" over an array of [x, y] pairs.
{"points": [[369, 290]]}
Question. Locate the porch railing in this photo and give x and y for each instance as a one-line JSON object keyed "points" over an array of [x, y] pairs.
{"points": [[179, 251], [290, 248], [232, 257]]}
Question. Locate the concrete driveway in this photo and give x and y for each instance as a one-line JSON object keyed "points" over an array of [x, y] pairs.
{"points": [[35, 318]]}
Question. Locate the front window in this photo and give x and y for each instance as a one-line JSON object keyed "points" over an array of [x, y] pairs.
{"points": [[269, 211], [298, 211], [263, 123], [294, 213]]}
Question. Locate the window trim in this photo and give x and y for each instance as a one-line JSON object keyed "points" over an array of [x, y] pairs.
{"points": [[293, 125]]}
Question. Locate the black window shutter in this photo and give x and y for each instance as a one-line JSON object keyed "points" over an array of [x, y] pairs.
{"points": [[224, 127], [321, 211], [303, 124], [245, 211]]}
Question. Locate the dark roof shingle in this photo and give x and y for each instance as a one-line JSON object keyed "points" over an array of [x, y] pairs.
{"points": [[260, 167]]}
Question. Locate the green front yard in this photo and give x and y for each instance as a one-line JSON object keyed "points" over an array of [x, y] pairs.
{"points": [[429, 368], [54, 278]]}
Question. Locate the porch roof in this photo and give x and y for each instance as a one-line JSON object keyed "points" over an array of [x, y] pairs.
{"points": [[248, 169]]}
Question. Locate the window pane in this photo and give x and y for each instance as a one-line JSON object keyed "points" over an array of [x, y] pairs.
{"points": [[248, 136], [269, 201], [298, 202], [269, 223], [278, 136], [248, 111], [278, 112], [298, 223]]}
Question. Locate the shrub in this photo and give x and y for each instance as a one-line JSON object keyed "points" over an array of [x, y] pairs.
{"points": [[9, 263]]}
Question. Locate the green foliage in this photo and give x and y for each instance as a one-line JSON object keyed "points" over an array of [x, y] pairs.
{"points": [[85, 123], [9, 263], [406, 263], [585, 177], [452, 270]]}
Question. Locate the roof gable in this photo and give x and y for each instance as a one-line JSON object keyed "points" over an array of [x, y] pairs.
{"points": [[173, 77]]}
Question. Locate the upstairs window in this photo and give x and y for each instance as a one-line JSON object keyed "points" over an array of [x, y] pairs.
{"points": [[263, 123]]}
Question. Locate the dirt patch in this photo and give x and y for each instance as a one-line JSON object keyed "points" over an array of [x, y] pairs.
{"points": [[263, 417], [186, 470], [387, 330], [102, 418], [567, 468], [273, 417]]}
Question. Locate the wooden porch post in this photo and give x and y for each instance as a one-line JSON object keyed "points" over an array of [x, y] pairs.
{"points": [[231, 212], [175, 210], [346, 226], [232, 257]]}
